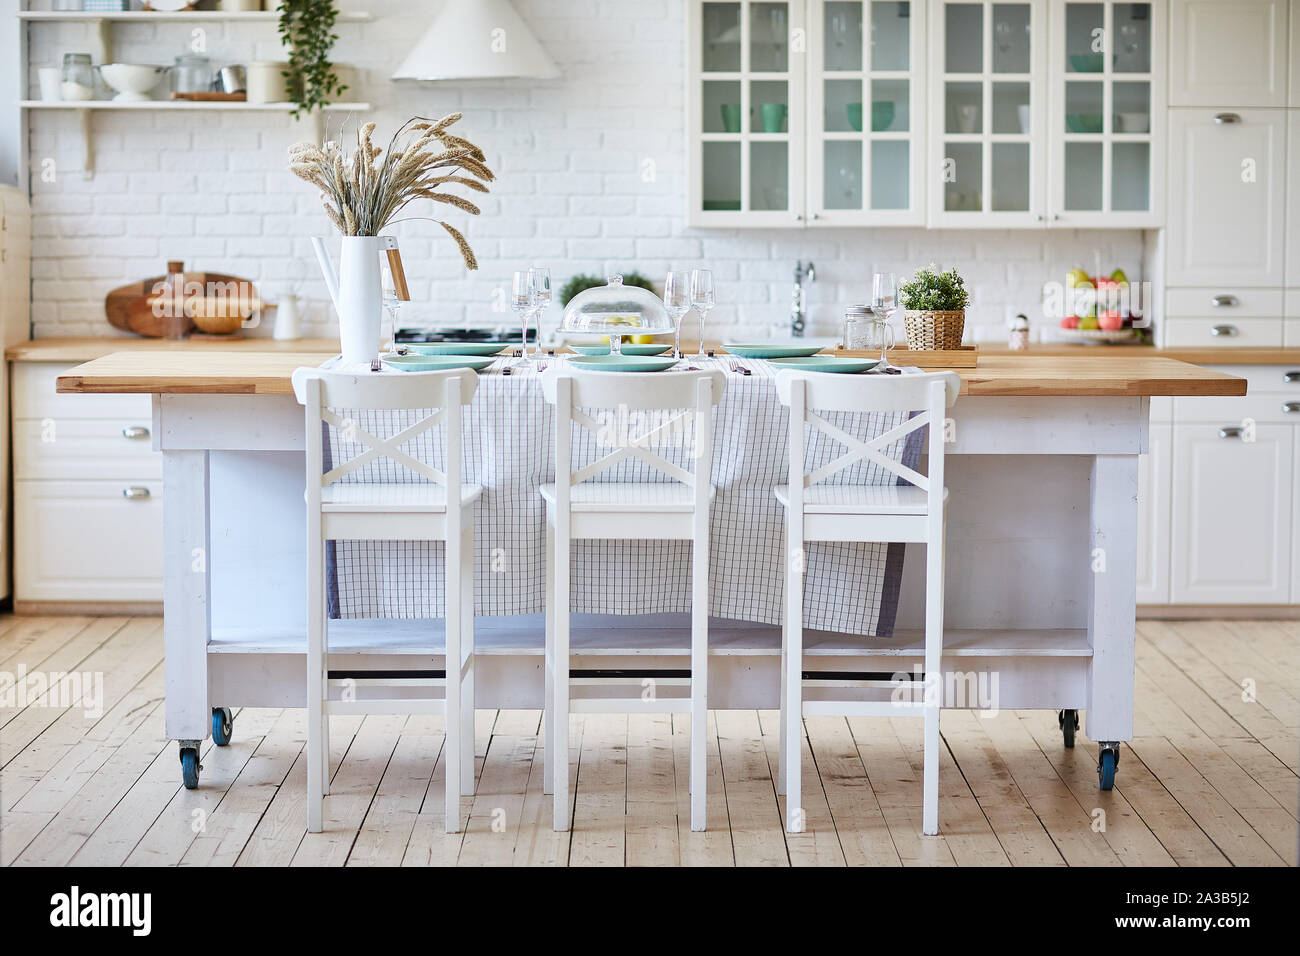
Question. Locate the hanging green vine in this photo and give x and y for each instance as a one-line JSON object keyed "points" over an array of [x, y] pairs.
{"points": [[307, 30]]}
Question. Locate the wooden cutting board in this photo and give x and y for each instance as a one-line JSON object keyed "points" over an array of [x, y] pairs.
{"points": [[130, 307]]}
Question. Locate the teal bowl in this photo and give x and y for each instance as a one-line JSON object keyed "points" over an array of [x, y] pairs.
{"points": [[435, 363], [629, 348], [1083, 122], [1087, 62], [882, 115], [855, 115]]}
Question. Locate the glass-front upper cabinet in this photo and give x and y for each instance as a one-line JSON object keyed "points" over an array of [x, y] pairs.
{"points": [[866, 112], [1107, 113], [746, 103], [987, 110]]}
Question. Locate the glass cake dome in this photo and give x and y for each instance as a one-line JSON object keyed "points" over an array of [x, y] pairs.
{"points": [[616, 310]]}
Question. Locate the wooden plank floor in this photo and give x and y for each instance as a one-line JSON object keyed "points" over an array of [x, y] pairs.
{"points": [[1209, 779]]}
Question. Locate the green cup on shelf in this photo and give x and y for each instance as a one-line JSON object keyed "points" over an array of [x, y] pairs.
{"points": [[882, 115], [855, 116], [731, 117], [773, 115]]}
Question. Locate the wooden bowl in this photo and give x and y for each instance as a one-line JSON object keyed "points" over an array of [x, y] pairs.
{"points": [[220, 316]]}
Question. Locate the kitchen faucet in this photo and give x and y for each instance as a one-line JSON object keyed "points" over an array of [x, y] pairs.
{"points": [[798, 314]]}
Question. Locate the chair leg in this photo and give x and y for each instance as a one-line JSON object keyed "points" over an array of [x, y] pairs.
{"points": [[315, 706], [792, 717], [781, 781], [452, 741], [549, 749], [560, 703], [467, 651], [933, 681], [699, 681]]}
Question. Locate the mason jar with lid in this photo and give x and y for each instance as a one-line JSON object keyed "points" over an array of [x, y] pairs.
{"points": [[78, 77], [192, 73], [856, 333]]}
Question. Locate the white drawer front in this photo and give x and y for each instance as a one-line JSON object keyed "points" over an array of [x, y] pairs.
{"points": [[1271, 379], [1278, 409], [87, 541], [1224, 302], [93, 449], [1223, 333], [35, 397]]}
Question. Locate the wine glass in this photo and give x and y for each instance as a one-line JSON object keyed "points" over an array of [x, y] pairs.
{"points": [[677, 302], [702, 298], [884, 304], [392, 307], [539, 296], [521, 304]]}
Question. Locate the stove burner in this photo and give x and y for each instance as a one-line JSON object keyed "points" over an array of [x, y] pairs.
{"points": [[458, 335]]}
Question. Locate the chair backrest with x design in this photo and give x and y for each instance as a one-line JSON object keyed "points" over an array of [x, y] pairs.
{"points": [[927, 394], [324, 393], [694, 393]]}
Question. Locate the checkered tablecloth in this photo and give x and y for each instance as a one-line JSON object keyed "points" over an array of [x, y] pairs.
{"points": [[510, 451]]}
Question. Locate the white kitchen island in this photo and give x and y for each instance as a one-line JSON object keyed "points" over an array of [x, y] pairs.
{"points": [[1041, 576]]}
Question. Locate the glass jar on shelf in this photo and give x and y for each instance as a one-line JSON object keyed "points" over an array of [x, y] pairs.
{"points": [[78, 77], [192, 73]]}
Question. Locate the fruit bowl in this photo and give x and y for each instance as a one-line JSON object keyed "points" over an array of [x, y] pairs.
{"points": [[1097, 336], [133, 82]]}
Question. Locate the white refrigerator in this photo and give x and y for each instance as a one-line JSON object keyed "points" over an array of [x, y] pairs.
{"points": [[15, 327]]}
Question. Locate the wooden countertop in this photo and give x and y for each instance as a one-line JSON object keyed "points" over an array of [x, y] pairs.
{"points": [[86, 348], [1203, 356], [268, 373]]}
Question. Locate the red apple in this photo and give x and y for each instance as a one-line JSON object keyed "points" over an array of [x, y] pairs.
{"points": [[1070, 322], [1110, 320]]}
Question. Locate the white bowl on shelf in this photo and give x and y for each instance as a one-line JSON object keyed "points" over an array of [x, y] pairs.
{"points": [[133, 82], [1133, 122]]}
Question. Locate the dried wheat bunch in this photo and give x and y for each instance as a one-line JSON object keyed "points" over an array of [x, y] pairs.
{"points": [[362, 193]]}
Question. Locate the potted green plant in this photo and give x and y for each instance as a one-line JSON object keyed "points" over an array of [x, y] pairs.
{"points": [[307, 31], [934, 308], [581, 283]]}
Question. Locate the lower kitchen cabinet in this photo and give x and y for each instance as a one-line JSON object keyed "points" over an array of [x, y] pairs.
{"points": [[1232, 513], [87, 495]]}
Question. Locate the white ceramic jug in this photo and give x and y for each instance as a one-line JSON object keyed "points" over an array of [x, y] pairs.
{"points": [[357, 290]]}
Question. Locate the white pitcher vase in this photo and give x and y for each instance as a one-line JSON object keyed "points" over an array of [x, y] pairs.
{"points": [[357, 292]]}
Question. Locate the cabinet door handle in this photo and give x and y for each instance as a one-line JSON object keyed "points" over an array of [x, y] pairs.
{"points": [[1219, 301], [135, 432], [135, 493], [1230, 431], [1227, 118], [1227, 330], [1291, 377], [1291, 408]]}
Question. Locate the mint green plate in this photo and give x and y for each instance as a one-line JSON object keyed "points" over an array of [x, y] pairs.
{"points": [[458, 348], [623, 363], [435, 363], [771, 351], [628, 349], [826, 363]]}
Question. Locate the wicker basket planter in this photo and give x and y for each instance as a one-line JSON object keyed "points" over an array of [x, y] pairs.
{"points": [[934, 330]]}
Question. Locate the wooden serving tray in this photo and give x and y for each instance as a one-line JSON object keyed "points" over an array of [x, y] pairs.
{"points": [[966, 356], [212, 96]]}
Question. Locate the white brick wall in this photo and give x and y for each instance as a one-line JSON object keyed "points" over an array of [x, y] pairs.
{"points": [[570, 155]]}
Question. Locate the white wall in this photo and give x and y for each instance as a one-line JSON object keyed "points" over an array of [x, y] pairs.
{"points": [[570, 155]]}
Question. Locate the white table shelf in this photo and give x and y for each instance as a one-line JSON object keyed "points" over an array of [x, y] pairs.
{"points": [[158, 16], [191, 105]]}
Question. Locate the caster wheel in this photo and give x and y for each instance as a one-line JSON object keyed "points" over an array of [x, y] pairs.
{"points": [[190, 767], [223, 722], [1069, 722], [1106, 769]]}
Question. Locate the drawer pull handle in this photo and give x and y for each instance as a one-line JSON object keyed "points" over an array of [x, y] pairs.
{"points": [[1291, 408], [135, 493], [1231, 431], [1224, 330], [1219, 301], [1227, 118], [135, 431], [1291, 377]]}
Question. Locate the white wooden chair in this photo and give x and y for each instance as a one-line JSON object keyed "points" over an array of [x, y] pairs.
{"points": [[873, 513], [578, 508], [439, 509]]}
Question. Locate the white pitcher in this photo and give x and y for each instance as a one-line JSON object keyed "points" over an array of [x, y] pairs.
{"points": [[357, 290]]}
